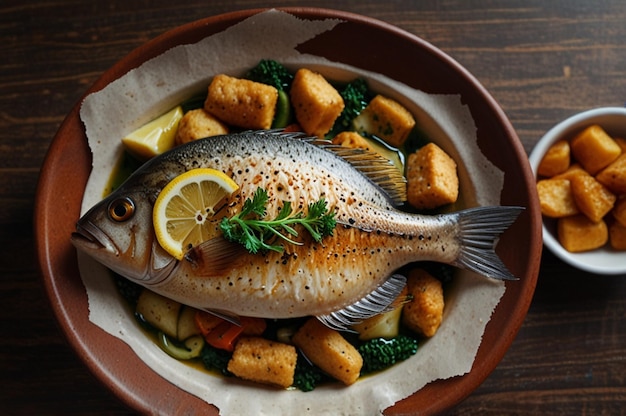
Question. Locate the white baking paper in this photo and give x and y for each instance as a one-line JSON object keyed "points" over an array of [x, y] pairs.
{"points": [[161, 83]]}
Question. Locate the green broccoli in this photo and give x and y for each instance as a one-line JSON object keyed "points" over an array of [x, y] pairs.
{"points": [[356, 95], [307, 376], [215, 359], [271, 72], [380, 353]]}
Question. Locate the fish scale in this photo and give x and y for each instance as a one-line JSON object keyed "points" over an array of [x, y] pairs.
{"points": [[343, 272]]}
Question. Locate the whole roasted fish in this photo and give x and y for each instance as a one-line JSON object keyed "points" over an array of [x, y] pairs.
{"points": [[343, 279]]}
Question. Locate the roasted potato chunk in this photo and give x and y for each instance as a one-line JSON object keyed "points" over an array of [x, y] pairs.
{"points": [[556, 159], [614, 176], [555, 198], [241, 102], [264, 361], [432, 179], [316, 103], [591, 197], [578, 233], [424, 313], [594, 149]]}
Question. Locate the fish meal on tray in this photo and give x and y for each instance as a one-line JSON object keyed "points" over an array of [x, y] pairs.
{"points": [[280, 224]]}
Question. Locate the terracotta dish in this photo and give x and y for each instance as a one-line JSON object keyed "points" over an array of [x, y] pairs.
{"points": [[381, 48]]}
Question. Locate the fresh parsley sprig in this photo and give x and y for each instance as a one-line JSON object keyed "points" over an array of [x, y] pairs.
{"points": [[255, 233]]}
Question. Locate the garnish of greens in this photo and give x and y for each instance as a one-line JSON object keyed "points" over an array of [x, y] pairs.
{"points": [[255, 233]]}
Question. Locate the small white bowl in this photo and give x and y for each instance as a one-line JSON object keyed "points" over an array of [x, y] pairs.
{"points": [[603, 260]]}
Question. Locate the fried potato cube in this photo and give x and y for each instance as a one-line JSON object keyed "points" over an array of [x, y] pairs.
{"points": [[264, 361], [594, 149], [316, 103], [555, 198], [241, 102], [352, 140], [424, 313], [578, 233], [592, 198], [574, 169], [556, 160], [617, 236], [432, 179], [614, 175], [619, 210], [198, 124], [387, 119], [329, 350]]}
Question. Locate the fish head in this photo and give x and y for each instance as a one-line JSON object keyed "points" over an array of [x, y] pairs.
{"points": [[118, 233]]}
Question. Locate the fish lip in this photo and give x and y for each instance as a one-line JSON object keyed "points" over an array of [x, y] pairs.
{"points": [[89, 236]]}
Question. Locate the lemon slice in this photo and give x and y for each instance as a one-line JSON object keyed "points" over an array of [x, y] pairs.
{"points": [[182, 211], [156, 137]]}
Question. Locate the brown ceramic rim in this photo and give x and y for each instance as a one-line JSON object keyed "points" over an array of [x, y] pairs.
{"points": [[68, 164]]}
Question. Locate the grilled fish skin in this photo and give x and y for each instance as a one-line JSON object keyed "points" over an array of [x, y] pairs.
{"points": [[372, 239]]}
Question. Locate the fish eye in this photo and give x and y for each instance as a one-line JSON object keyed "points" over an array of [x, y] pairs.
{"points": [[121, 209]]}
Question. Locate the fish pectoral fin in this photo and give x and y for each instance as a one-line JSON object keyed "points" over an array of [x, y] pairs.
{"points": [[227, 316], [215, 257], [380, 300]]}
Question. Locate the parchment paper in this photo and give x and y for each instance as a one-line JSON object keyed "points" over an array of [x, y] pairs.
{"points": [[165, 81]]}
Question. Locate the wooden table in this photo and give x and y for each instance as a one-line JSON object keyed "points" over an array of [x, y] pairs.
{"points": [[541, 60]]}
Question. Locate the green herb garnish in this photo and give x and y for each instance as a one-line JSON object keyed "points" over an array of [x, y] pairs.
{"points": [[255, 233]]}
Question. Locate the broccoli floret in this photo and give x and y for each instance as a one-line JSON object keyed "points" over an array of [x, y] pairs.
{"points": [[215, 359], [306, 376], [381, 353], [271, 72], [129, 290], [356, 96]]}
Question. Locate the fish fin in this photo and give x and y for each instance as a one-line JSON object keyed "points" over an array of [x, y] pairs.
{"points": [[381, 300], [480, 229], [215, 257], [227, 316]]}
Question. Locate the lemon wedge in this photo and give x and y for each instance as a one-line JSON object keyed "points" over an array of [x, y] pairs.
{"points": [[155, 137], [182, 211]]}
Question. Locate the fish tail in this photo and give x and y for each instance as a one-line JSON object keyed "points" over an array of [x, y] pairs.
{"points": [[479, 230]]}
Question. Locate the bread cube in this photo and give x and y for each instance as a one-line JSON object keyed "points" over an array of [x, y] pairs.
{"points": [[578, 233], [556, 160], [328, 350], [316, 103], [198, 124], [592, 198], [617, 236], [432, 179], [387, 119], [555, 198], [619, 210], [594, 149], [614, 175], [241, 102], [424, 313], [353, 140], [264, 361]]}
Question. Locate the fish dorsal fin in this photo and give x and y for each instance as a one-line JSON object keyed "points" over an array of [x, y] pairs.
{"points": [[376, 167], [381, 300], [215, 257]]}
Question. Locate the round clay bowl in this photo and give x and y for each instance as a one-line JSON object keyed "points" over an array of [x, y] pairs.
{"points": [[398, 55]]}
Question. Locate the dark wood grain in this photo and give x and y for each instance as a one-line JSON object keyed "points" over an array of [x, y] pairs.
{"points": [[541, 60]]}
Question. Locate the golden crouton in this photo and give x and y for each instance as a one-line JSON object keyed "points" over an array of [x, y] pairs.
{"points": [[328, 350], [316, 103], [198, 124], [555, 198], [353, 140], [578, 233], [556, 160], [264, 361], [591, 197], [423, 314], [619, 210], [387, 119], [614, 175], [594, 149], [241, 102], [617, 236], [432, 179]]}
